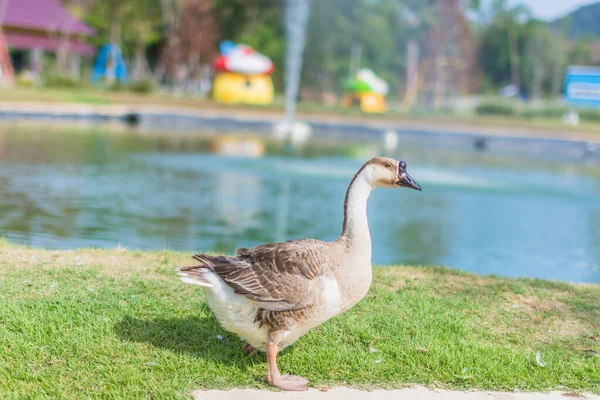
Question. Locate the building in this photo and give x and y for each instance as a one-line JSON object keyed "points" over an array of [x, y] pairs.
{"points": [[32, 27]]}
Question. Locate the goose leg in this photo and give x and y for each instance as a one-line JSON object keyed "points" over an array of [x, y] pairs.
{"points": [[285, 382], [251, 350]]}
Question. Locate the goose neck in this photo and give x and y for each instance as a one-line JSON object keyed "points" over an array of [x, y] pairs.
{"points": [[356, 226]]}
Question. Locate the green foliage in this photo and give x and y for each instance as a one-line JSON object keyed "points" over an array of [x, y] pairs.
{"points": [[234, 15], [380, 29], [495, 108], [542, 51], [52, 80], [544, 112], [589, 114], [580, 52], [265, 34], [335, 26], [494, 57], [525, 111], [126, 21], [142, 87], [116, 86]]}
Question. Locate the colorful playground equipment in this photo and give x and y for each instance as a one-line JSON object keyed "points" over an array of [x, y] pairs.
{"points": [[110, 65], [366, 90], [242, 76]]}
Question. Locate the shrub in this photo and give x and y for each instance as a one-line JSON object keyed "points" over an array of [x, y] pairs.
{"points": [[61, 81], [589, 114], [546, 112], [141, 87], [116, 86], [495, 108]]}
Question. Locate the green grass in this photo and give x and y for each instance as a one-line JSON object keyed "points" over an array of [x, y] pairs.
{"points": [[118, 324]]}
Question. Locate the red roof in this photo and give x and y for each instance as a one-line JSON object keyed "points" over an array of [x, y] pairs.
{"points": [[19, 40], [46, 15]]}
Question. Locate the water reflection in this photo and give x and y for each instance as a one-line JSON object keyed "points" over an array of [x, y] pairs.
{"points": [[593, 246], [424, 240], [485, 214]]}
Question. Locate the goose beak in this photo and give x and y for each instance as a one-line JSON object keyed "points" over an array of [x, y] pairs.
{"points": [[403, 179], [407, 181]]}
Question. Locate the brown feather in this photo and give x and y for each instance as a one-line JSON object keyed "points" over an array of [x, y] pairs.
{"points": [[274, 276]]}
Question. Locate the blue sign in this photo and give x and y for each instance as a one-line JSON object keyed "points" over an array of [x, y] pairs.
{"points": [[582, 86]]}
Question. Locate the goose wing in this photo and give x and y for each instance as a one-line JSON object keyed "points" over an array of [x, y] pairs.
{"points": [[274, 276]]}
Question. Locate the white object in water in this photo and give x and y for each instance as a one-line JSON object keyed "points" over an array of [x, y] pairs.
{"points": [[390, 140], [298, 132]]}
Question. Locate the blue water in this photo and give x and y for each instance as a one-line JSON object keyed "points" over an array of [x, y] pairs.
{"points": [[490, 216]]}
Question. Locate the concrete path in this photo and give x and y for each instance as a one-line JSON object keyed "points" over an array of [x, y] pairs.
{"points": [[414, 393]]}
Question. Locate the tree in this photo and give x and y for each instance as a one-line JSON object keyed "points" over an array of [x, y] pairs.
{"points": [[511, 18], [537, 57], [144, 20], [264, 33], [502, 44], [78, 8], [191, 38], [336, 26], [131, 24]]}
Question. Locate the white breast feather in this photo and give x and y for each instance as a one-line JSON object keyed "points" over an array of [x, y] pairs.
{"points": [[332, 298]]}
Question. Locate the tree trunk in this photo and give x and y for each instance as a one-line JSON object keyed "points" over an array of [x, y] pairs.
{"points": [[75, 67], [412, 72], [515, 74], [62, 59], [115, 23], [557, 74], [538, 77], [138, 72], [440, 82]]}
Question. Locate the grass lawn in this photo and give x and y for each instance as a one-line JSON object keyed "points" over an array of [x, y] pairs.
{"points": [[118, 324]]}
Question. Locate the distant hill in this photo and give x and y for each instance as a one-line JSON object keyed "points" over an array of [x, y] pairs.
{"points": [[582, 22]]}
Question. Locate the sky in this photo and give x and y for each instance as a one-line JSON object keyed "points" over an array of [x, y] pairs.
{"points": [[551, 9]]}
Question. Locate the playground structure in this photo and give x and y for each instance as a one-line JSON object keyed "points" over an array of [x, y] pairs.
{"points": [[366, 90], [242, 76], [110, 65]]}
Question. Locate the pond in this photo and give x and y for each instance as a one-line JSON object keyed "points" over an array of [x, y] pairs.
{"points": [[67, 188]]}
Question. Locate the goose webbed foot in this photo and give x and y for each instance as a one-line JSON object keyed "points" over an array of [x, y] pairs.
{"points": [[248, 348], [285, 382], [289, 382]]}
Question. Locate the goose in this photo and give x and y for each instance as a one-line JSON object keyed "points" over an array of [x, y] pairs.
{"points": [[270, 295]]}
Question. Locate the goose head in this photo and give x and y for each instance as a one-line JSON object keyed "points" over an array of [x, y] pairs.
{"points": [[389, 173]]}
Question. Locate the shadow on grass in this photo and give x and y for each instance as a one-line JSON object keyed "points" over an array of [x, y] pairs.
{"points": [[196, 336]]}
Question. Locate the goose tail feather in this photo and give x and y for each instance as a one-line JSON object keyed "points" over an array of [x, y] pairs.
{"points": [[194, 275]]}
